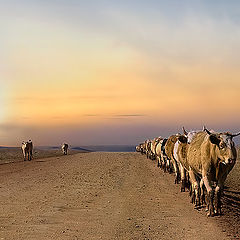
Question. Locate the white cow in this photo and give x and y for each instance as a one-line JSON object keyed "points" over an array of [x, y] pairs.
{"points": [[27, 148], [189, 137]]}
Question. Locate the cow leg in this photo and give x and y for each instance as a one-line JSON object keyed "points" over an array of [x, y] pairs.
{"points": [[162, 162], [176, 170], [158, 162], [183, 178], [219, 192], [159, 158], [165, 164], [190, 190], [188, 180], [202, 189], [30, 155], [195, 189], [169, 166], [210, 196], [218, 203], [24, 155]]}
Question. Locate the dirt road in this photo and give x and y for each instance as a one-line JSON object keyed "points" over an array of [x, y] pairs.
{"points": [[97, 196]]}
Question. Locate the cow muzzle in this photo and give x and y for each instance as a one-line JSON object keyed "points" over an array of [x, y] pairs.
{"points": [[229, 161]]}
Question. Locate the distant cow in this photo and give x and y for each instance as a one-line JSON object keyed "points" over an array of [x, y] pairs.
{"points": [[27, 148], [138, 148], [65, 148], [154, 144]]}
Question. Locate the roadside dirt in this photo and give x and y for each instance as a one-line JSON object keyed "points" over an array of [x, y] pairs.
{"points": [[99, 196], [14, 154]]}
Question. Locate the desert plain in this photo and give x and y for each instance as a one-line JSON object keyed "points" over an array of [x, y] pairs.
{"points": [[103, 195]]}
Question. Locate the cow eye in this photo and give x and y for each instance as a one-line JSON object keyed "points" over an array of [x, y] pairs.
{"points": [[221, 146]]}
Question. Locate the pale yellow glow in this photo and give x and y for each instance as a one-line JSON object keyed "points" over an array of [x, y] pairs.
{"points": [[3, 113], [65, 74]]}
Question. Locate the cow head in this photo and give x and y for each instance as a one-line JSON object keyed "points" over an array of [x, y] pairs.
{"points": [[24, 143], [225, 150], [158, 139], [182, 139], [149, 145], [190, 135]]}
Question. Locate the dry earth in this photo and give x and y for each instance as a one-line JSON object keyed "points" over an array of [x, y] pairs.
{"points": [[104, 196], [14, 154]]}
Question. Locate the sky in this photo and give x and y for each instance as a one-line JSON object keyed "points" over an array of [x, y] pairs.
{"points": [[103, 72]]}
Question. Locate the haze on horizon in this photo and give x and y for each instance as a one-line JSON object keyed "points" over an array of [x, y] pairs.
{"points": [[117, 72]]}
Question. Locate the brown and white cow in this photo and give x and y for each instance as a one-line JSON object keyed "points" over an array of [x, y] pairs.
{"points": [[212, 156], [27, 149], [65, 148]]}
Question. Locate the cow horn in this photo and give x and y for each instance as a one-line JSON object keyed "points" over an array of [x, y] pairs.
{"points": [[184, 131], [205, 129], [234, 135]]}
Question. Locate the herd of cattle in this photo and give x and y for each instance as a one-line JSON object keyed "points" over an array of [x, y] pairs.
{"points": [[200, 160], [27, 149]]}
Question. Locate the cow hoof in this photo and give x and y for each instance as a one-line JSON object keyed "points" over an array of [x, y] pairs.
{"points": [[182, 189], [218, 212], [210, 214]]}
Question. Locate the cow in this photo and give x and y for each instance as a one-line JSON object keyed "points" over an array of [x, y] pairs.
{"points": [[141, 145], [157, 150], [144, 147], [179, 153], [154, 143], [65, 148], [212, 156], [169, 147], [179, 146], [164, 162], [164, 155], [138, 148], [27, 149], [148, 149]]}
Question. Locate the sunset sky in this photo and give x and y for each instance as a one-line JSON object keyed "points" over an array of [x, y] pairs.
{"points": [[93, 72]]}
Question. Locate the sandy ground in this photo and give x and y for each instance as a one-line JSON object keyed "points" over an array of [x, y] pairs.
{"points": [[101, 196], [14, 154]]}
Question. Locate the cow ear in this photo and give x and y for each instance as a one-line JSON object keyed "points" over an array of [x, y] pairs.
{"points": [[182, 139], [214, 139]]}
